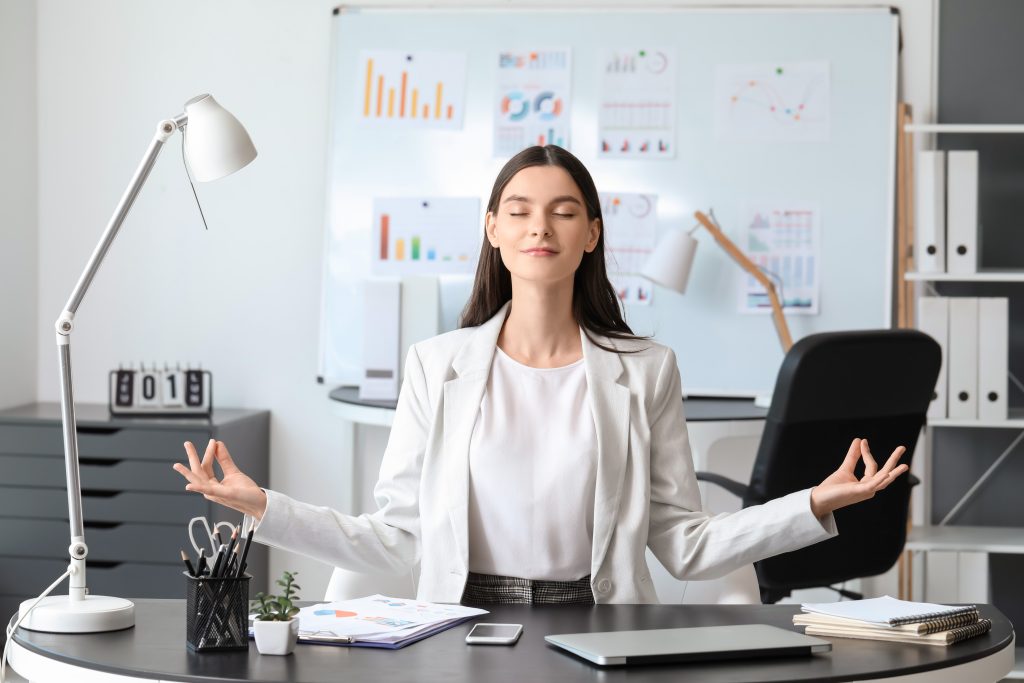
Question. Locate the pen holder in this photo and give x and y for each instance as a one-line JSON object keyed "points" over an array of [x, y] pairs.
{"points": [[217, 613]]}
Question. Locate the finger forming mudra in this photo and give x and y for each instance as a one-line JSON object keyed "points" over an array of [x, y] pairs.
{"points": [[843, 487], [234, 490]]}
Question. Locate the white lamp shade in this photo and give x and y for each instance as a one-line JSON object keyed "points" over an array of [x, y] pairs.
{"points": [[216, 144], [669, 265]]}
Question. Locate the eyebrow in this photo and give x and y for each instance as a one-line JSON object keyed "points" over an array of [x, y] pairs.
{"points": [[556, 200]]}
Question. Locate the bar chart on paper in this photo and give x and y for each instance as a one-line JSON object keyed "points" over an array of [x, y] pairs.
{"points": [[412, 89], [783, 240], [637, 107], [425, 236]]}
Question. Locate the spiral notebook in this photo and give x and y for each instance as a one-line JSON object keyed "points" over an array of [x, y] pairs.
{"points": [[941, 638], [887, 610], [917, 628]]}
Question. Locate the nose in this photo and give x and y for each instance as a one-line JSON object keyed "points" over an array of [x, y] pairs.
{"points": [[540, 227]]}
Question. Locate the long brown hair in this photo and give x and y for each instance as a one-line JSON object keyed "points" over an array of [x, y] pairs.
{"points": [[595, 305]]}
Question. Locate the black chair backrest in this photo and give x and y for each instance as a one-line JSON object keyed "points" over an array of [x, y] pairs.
{"points": [[832, 388]]}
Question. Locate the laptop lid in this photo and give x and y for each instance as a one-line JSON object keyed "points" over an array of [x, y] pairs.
{"points": [[688, 644]]}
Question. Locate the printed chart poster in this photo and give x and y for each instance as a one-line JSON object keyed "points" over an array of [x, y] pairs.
{"points": [[532, 102], [783, 240], [637, 117], [411, 89], [772, 102], [425, 236], [630, 227]]}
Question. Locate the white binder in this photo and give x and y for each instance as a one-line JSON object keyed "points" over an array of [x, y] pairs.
{"points": [[930, 215], [933, 320], [962, 212], [993, 354], [381, 311], [963, 358]]}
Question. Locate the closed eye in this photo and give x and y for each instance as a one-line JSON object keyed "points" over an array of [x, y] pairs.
{"points": [[565, 215]]}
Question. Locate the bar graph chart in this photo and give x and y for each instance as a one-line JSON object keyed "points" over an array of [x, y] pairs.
{"points": [[412, 89], [426, 236]]}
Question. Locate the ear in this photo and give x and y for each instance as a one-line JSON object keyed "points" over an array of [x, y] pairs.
{"points": [[489, 228], [595, 234]]}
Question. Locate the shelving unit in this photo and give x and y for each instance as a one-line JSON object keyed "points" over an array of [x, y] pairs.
{"points": [[943, 536], [987, 276]]}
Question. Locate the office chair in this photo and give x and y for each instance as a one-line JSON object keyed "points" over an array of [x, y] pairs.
{"points": [[834, 387]]}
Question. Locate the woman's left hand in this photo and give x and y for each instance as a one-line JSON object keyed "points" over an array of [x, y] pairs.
{"points": [[842, 487]]}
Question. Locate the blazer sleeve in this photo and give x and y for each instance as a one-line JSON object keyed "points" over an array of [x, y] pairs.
{"points": [[385, 540], [692, 544]]}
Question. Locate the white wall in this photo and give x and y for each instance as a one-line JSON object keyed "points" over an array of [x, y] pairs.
{"points": [[243, 298], [18, 246]]}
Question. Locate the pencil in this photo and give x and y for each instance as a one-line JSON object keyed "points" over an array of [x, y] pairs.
{"points": [[245, 553], [234, 539], [201, 565], [188, 563], [216, 564]]}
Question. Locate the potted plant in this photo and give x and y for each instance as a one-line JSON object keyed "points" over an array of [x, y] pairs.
{"points": [[276, 629]]}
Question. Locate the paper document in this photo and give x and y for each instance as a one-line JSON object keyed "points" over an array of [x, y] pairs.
{"points": [[379, 619], [637, 109], [533, 101], [630, 223]]}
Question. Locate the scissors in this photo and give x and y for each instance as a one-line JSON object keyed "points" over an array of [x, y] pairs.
{"points": [[210, 537]]}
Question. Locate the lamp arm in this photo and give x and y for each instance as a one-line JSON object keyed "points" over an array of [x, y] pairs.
{"points": [[730, 247], [64, 326]]}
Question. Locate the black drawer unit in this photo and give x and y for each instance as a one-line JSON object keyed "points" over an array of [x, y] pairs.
{"points": [[135, 507]]}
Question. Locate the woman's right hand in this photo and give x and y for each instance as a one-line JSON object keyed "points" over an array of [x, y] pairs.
{"points": [[235, 490]]}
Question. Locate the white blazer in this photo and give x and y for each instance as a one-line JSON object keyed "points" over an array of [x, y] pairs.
{"points": [[646, 495]]}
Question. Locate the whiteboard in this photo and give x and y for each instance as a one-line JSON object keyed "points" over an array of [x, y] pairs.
{"points": [[850, 176]]}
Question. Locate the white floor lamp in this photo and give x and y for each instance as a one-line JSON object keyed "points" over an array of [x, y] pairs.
{"points": [[216, 145]]}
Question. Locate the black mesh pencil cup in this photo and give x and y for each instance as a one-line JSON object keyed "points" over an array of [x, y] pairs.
{"points": [[217, 613]]}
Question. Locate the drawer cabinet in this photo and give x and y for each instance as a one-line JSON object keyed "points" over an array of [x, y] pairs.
{"points": [[135, 507]]}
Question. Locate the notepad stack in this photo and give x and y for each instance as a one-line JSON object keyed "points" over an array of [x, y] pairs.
{"points": [[894, 620]]}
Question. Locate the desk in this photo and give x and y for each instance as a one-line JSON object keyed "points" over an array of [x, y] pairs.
{"points": [[155, 650]]}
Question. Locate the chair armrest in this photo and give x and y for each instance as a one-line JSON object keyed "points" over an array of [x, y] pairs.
{"points": [[732, 486]]}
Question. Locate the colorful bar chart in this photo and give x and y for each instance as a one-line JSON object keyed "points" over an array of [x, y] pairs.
{"points": [[433, 236], [421, 89]]}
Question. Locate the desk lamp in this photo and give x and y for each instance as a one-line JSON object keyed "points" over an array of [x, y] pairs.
{"points": [[670, 265], [215, 145]]}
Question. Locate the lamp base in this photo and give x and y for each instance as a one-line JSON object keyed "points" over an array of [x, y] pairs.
{"points": [[94, 614]]}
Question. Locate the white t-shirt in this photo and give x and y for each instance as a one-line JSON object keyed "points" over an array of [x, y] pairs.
{"points": [[532, 473]]}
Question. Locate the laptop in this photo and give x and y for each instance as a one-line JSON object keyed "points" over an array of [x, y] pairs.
{"points": [[700, 644]]}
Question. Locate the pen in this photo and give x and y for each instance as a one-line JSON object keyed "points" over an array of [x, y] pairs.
{"points": [[324, 639], [245, 553], [188, 563]]}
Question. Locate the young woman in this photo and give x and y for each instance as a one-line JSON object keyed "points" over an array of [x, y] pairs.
{"points": [[538, 450]]}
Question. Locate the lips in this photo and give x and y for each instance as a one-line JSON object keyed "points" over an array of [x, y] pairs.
{"points": [[540, 251]]}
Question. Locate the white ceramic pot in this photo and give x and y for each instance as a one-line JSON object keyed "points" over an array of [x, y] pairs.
{"points": [[276, 637]]}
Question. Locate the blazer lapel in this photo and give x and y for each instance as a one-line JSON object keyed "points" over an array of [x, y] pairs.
{"points": [[610, 403], [462, 398]]}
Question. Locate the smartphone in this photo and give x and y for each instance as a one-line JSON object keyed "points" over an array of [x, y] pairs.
{"points": [[494, 634]]}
